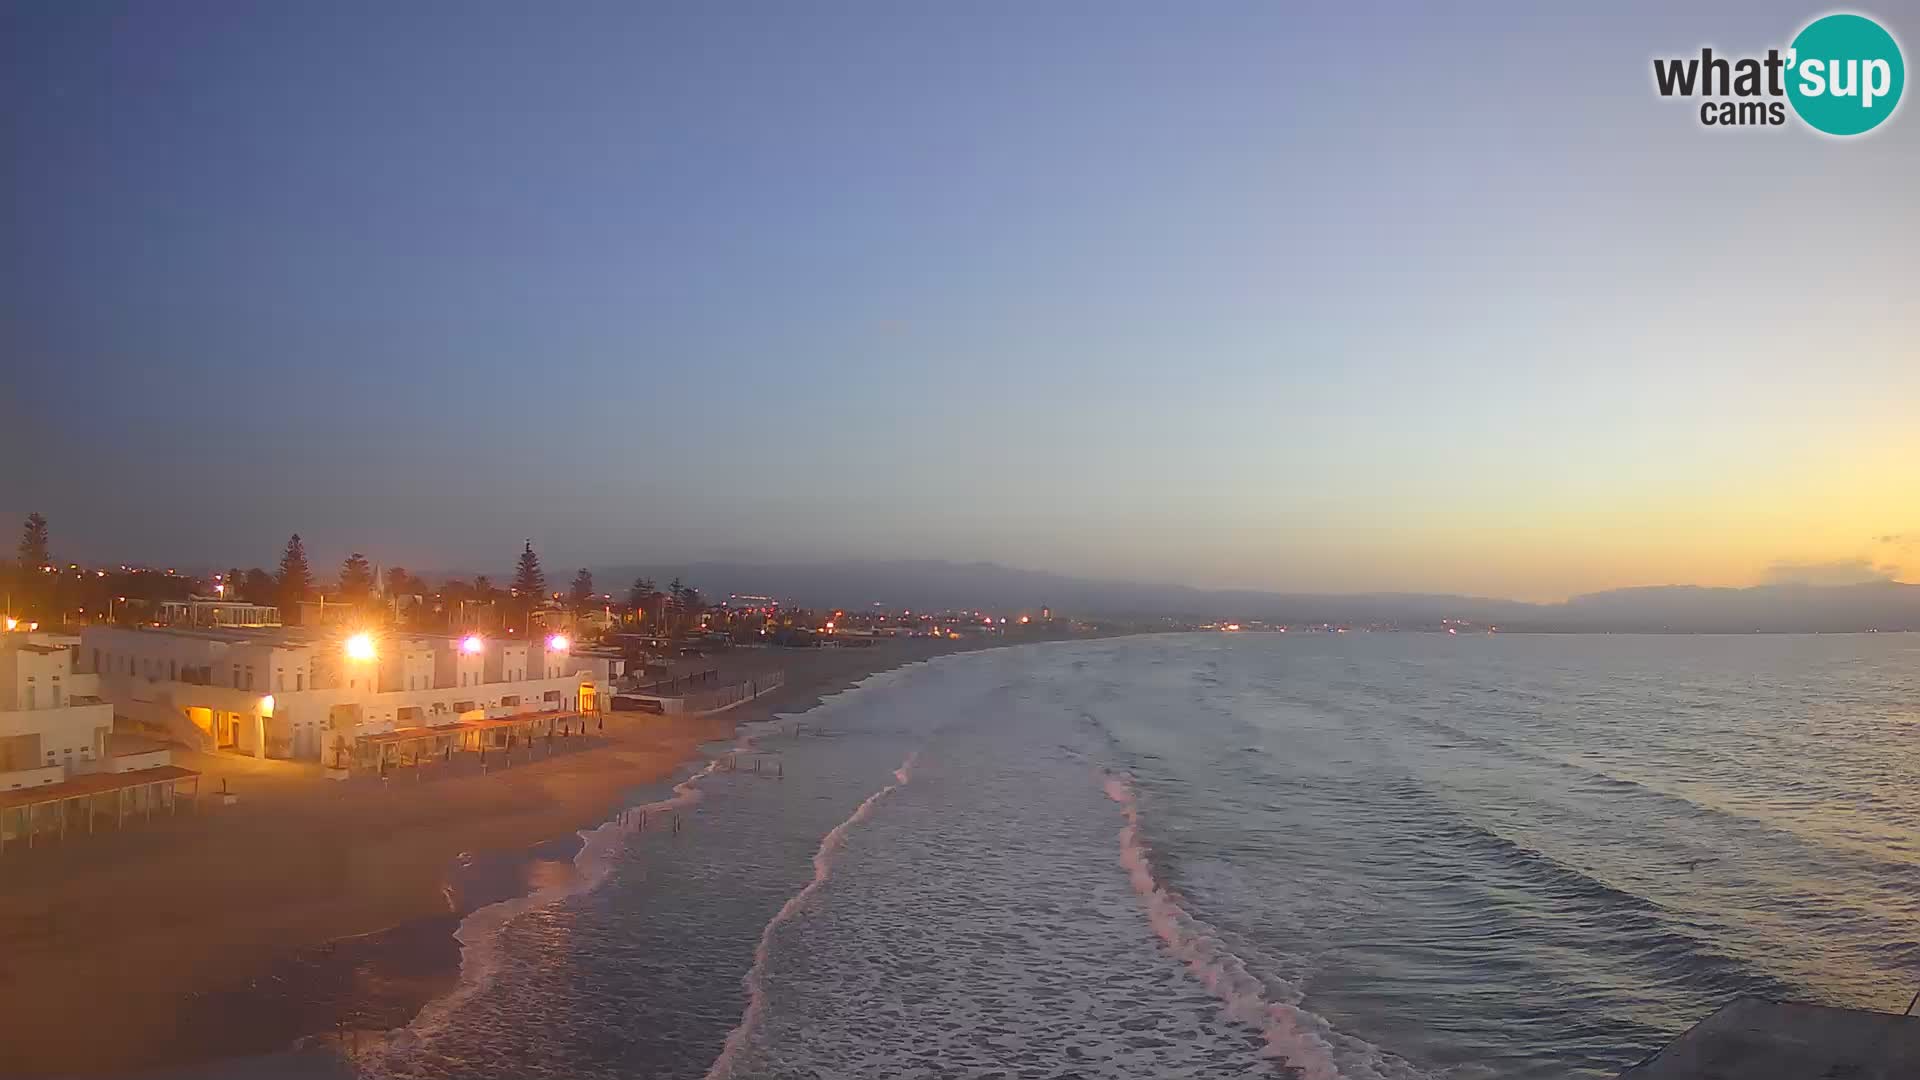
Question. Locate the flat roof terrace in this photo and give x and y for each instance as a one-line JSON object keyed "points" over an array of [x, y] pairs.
{"points": [[155, 782], [414, 734]]}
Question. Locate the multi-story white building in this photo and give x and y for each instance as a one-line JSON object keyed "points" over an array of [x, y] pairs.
{"points": [[310, 695], [54, 726]]}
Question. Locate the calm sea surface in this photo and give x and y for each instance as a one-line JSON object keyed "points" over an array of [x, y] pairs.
{"points": [[1364, 855]]}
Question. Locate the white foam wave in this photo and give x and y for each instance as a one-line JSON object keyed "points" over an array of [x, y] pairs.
{"points": [[1305, 1040], [756, 977], [480, 932]]}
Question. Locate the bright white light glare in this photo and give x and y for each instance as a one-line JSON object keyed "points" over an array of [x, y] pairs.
{"points": [[360, 647], [472, 644], [558, 643]]}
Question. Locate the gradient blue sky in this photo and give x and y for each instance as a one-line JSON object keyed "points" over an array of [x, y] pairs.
{"points": [[1239, 294]]}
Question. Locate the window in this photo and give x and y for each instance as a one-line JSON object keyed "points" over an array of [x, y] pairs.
{"points": [[173, 670], [236, 676], [299, 681], [280, 682]]}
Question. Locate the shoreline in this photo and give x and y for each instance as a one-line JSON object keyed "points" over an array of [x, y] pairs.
{"points": [[304, 911]]}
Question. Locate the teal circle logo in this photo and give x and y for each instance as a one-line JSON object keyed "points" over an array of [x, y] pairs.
{"points": [[1845, 74]]}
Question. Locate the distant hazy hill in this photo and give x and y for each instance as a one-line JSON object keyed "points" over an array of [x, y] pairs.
{"points": [[937, 585]]}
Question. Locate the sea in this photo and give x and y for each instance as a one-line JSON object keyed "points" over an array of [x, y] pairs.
{"points": [[1322, 856]]}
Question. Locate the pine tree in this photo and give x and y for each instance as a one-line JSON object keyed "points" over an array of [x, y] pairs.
{"points": [[296, 580], [528, 580], [356, 577], [257, 587], [34, 550], [671, 607], [580, 595], [641, 595]]}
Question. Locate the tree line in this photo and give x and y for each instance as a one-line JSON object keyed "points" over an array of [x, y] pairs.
{"points": [[38, 587]]}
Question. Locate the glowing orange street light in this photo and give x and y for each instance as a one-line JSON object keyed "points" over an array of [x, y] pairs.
{"points": [[360, 647]]}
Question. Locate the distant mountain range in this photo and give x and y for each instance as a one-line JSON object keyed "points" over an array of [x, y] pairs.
{"points": [[934, 585]]}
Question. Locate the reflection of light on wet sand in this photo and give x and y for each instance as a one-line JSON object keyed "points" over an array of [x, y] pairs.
{"points": [[549, 874]]}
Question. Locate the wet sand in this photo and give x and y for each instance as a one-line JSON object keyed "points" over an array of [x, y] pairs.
{"points": [[312, 906]]}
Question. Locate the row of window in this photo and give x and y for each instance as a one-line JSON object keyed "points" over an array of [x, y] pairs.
{"points": [[243, 675], [33, 697]]}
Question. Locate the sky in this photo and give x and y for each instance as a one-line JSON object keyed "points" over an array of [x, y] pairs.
{"points": [[1325, 298]]}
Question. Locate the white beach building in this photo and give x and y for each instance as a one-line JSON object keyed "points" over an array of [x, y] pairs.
{"points": [[53, 723], [61, 765], [313, 695]]}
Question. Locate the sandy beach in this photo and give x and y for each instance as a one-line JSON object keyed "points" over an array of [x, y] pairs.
{"points": [[308, 906]]}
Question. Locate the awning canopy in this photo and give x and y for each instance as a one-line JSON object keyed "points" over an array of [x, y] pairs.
{"points": [[81, 787], [414, 734]]}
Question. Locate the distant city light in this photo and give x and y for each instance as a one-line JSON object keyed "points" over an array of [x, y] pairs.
{"points": [[1023, 620], [557, 643], [472, 644], [360, 647]]}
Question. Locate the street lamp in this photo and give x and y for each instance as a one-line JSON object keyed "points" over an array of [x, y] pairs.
{"points": [[557, 643], [360, 647], [472, 645]]}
